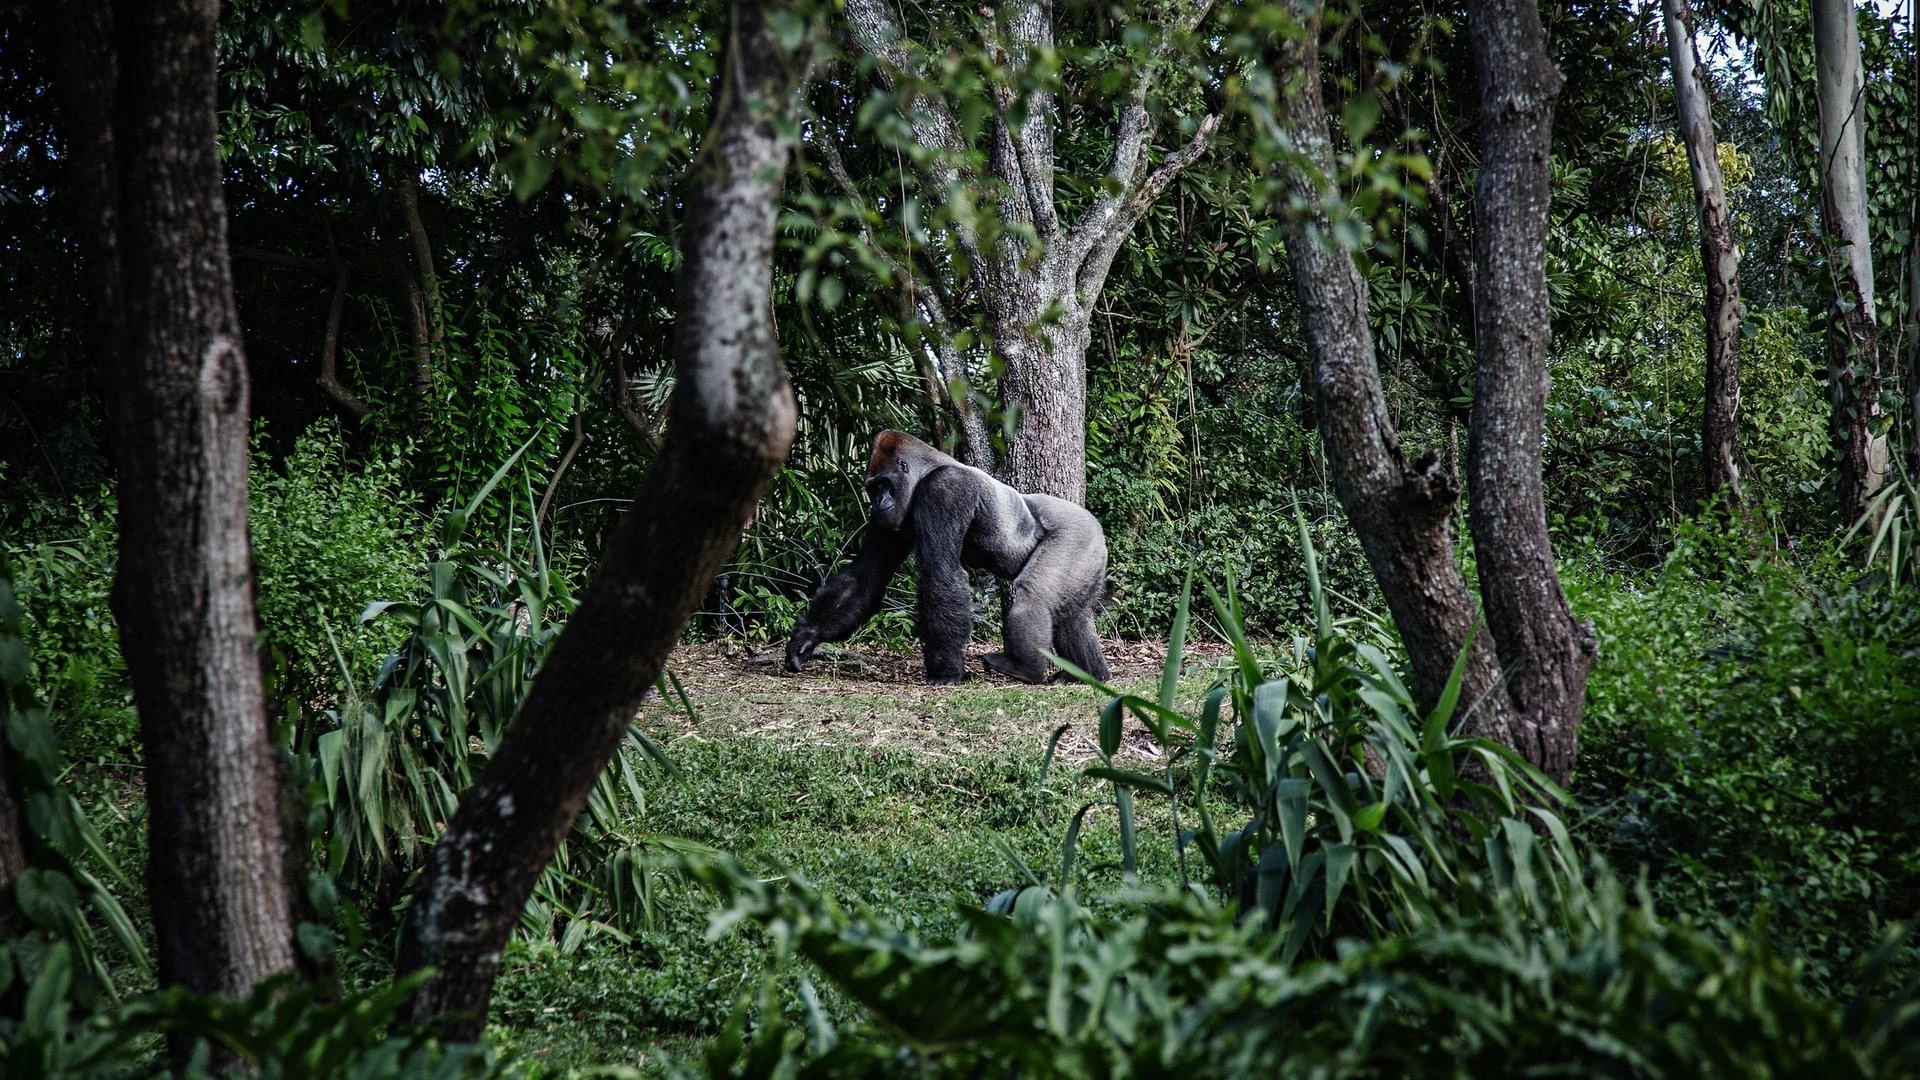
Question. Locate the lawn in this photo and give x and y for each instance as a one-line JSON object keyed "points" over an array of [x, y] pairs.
{"points": [[904, 797]]}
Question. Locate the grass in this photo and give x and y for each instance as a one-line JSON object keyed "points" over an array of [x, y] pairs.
{"points": [[888, 792]]}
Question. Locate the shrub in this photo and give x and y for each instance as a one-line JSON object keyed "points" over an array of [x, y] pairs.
{"points": [[394, 755], [1752, 732], [327, 534], [64, 585]]}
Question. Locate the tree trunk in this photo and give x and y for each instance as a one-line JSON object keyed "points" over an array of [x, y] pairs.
{"points": [[1545, 653], [1913, 279], [1402, 512], [1913, 347], [1044, 384], [732, 423], [1719, 257], [1853, 363], [169, 338]]}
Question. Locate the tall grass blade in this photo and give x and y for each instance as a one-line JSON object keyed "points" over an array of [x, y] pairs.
{"points": [[1176, 644]]}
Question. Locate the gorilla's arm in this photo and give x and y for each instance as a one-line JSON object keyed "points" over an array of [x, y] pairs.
{"points": [[849, 598], [943, 511]]}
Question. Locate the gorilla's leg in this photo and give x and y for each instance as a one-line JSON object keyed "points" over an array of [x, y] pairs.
{"points": [[1076, 641], [1029, 629], [849, 598], [946, 597]]}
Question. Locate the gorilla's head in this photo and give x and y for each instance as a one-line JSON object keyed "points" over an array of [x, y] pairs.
{"points": [[898, 463]]}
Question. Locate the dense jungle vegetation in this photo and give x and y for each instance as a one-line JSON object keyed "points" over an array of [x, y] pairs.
{"points": [[421, 426]]}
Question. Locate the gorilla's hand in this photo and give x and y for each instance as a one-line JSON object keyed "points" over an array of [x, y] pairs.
{"points": [[800, 647]]}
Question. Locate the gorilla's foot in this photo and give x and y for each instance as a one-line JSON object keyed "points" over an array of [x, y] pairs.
{"points": [[946, 678], [1013, 669]]}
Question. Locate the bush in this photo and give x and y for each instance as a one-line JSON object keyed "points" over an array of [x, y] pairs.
{"points": [[64, 586], [1752, 732], [328, 534]]}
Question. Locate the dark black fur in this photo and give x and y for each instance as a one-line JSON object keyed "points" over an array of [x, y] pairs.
{"points": [[954, 517]]}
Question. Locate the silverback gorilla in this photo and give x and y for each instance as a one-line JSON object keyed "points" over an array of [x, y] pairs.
{"points": [[954, 516]]}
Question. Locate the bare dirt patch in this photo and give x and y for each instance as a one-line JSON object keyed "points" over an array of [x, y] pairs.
{"points": [[872, 696]]}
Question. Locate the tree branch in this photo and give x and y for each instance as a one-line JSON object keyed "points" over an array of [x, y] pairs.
{"points": [[1136, 123], [560, 471], [1028, 26], [422, 254], [329, 377], [1098, 235], [622, 393], [1103, 244], [934, 126]]}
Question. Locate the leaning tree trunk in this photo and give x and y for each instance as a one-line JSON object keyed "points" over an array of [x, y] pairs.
{"points": [[1402, 512], [732, 423], [1853, 362], [137, 91], [1545, 653], [1719, 257]]}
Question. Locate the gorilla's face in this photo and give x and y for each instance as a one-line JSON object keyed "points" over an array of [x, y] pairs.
{"points": [[897, 464], [889, 494]]}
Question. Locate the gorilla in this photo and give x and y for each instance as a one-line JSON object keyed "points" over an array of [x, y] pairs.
{"points": [[954, 516]]}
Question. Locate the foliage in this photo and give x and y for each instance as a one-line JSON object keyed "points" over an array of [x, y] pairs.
{"points": [[395, 758], [287, 1029], [1347, 784], [52, 960], [63, 585], [1749, 742], [1400, 912], [327, 532], [1170, 984]]}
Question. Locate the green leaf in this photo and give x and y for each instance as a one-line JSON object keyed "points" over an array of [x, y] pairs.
{"points": [[45, 1012], [49, 898], [1130, 779], [1176, 643], [1111, 718], [1290, 798], [1360, 113], [1340, 859], [1323, 620]]}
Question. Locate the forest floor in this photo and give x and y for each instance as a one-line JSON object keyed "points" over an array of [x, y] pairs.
{"points": [[856, 775]]}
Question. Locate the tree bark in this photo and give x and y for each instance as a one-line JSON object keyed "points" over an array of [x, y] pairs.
{"points": [[1402, 512], [169, 337], [1913, 279], [1853, 362], [1545, 653], [420, 333], [1038, 311], [732, 423], [1719, 257]]}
